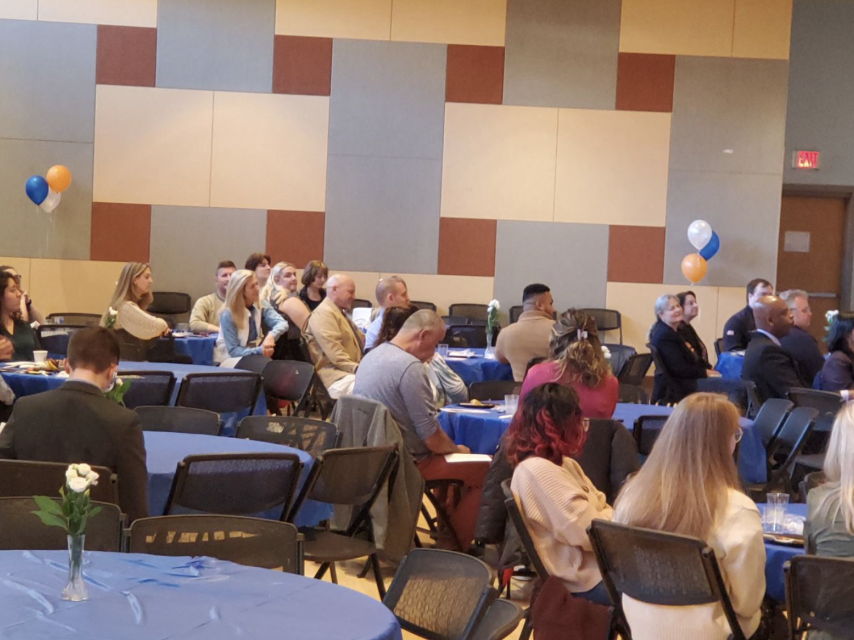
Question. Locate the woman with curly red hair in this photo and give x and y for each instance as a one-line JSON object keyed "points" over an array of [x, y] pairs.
{"points": [[557, 501]]}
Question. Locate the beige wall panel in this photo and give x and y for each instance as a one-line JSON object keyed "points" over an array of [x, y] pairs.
{"points": [[128, 13], [612, 167], [499, 162], [730, 300], [763, 29], [682, 27], [444, 291], [22, 266], [81, 286], [479, 22], [19, 9], [153, 146], [269, 151], [360, 19]]}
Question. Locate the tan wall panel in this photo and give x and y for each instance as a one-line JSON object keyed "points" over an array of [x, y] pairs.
{"points": [[19, 9], [730, 300], [128, 13], [275, 159], [362, 19], [152, 146], [682, 27], [444, 291], [478, 22], [499, 162], [763, 29], [612, 167], [73, 285]]}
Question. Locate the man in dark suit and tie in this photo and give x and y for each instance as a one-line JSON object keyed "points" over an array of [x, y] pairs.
{"points": [[766, 363], [76, 423], [739, 327]]}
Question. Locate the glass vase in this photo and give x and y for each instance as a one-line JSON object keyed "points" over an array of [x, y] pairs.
{"points": [[489, 354], [76, 589]]}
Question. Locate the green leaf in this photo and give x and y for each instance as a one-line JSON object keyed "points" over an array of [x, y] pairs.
{"points": [[51, 519], [94, 512], [48, 505]]}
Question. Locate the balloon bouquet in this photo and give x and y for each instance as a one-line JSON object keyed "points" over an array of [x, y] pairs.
{"points": [[707, 243], [47, 191]]}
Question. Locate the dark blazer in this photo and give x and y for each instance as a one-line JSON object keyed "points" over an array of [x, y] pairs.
{"points": [[76, 423], [772, 368], [737, 330], [682, 365], [691, 337], [837, 373], [804, 349]]}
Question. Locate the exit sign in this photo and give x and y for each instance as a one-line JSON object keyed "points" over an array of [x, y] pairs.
{"points": [[805, 159]]}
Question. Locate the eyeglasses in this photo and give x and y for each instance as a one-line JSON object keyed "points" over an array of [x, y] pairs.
{"points": [[738, 435]]}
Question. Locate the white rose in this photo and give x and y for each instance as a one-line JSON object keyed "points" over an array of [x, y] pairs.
{"points": [[78, 485], [92, 478], [70, 474], [83, 470], [113, 312], [606, 352]]}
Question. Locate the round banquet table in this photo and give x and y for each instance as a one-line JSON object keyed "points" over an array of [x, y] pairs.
{"points": [[776, 555], [730, 363], [164, 450], [478, 368], [138, 597], [199, 348]]}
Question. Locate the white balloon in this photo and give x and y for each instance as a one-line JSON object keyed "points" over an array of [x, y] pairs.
{"points": [[699, 233], [52, 201]]}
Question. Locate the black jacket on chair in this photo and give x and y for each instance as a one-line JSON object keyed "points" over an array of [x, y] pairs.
{"points": [[76, 423], [682, 365], [771, 368]]}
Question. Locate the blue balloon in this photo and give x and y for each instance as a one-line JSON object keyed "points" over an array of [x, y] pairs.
{"points": [[712, 247], [37, 189]]}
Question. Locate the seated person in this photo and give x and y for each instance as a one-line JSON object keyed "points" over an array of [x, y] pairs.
{"points": [[390, 292], [837, 374], [281, 294], [798, 342], [738, 328], [76, 423], [313, 279], [448, 387], [130, 300], [205, 315], [766, 362], [240, 322], [673, 493], [13, 328], [683, 366], [528, 337], [261, 265], [29, 313], [557, 500], [393, 374], [335, 343], [690, 311], [576, 360]]}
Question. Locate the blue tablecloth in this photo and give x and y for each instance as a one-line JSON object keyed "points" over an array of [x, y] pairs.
{"points": [[479, 369], [776, 556], [199, 348], [729, 365], [165, 450], [140, 597]]}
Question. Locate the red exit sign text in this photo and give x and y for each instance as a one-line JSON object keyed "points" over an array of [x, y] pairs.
{"points": [[805, 159]]}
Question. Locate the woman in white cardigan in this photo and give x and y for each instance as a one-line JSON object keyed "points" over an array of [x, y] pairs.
{"points": [[129, 303], [240, 322], [689, 485]]}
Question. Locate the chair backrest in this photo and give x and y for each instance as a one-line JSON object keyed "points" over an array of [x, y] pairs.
{"points": [[493, 389], [795, 428], [54, 338], [170, 303], [733, 388], [659, 568], [419, 304], [148, 388], [456, 320], [719, 347], [235, 484], [826, 403], [620, 354], [255, 542], [515, 312], [79, 319], [466, 336], [646, 431], [306, 434], [471, 311], [220, 392], [440, 594], [635, 369], [754, 402], [605, 319], [770, 418], [518, 521], [361, 303], [179, 420], [609, 456], [20, 528], [820, 596], [29, 478], [289, 380], [130, 347], [633, 394], [500, 620], [256, 362]]}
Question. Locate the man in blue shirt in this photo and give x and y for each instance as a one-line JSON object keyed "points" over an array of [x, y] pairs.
{"points": [[390, 292]]}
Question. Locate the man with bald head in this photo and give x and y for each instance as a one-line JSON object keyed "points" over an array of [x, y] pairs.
{"points": [[390, 292], [766, 362], [394, 375], [334, 342]]}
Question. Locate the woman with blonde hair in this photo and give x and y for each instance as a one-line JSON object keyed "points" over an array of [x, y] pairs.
{"points": [[576, 360], [281, 294], [689, 485], [240, 322], [131, 298]]}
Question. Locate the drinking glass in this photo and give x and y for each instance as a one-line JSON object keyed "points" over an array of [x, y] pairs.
{"points": [[442, 350], [182, 327], [775, 512], [511, 403]]}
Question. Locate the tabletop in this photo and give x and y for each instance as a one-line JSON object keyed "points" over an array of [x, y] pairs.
{"points": [[199, 348], [478, 368], [140, 597], [776, 556]]}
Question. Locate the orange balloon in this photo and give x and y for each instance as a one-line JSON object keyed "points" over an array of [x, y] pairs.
{"points": [[694, 267], [58, 177]]}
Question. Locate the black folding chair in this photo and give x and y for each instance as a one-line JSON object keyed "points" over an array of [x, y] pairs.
{"points": [[30, 478], [255, 363], [646, 432], [179, 420], [172, 306], [466, 336], [238, 484], [620, 354], [220, 392], [318, 395], [632, 394], [635, 369], [289, 381], [515, 312], [828, 405], [360, 303], [253, 542], [148, 388], [606, 320], [820, 596], [754, 402], [54, 338], [78, 319], [470, 311], [21, 529], [719, 347], [456, 320], [440, 595], [770, 418], [423, 305], [734, 389], [494, 389], [784, 450], [306, 434], [500, 620]]}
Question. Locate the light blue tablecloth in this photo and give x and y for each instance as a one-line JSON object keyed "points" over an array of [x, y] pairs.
{"points": [[140, 597], [729, 365], [776, 556], [479, 369], [199, 348]]}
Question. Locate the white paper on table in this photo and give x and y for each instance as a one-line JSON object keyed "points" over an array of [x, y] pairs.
{"points": [[507, 416], [461, 353], [447, 410], [467, 457], [362, 317]]}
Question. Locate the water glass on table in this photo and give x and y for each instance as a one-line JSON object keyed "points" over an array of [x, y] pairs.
{"points": [[442, 350], [775, 512], [511, 403]]}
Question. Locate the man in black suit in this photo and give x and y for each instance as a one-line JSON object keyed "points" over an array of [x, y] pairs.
{"points": [[76, 423], [738, 328], [799, 342], [766, 363]]}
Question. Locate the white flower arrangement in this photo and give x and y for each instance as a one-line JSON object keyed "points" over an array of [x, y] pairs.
{"points": [[112, 315], [74, 510], [831, 316], [492, 316], [494, 304], [606, 352]]}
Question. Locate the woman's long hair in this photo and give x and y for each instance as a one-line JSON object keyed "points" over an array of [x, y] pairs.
{"points": [[682, 487], [575, 347], [273, 293], [393, 319], [5, 279], [124, 290], [839, 463], [839, 334], [234, 301]]}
